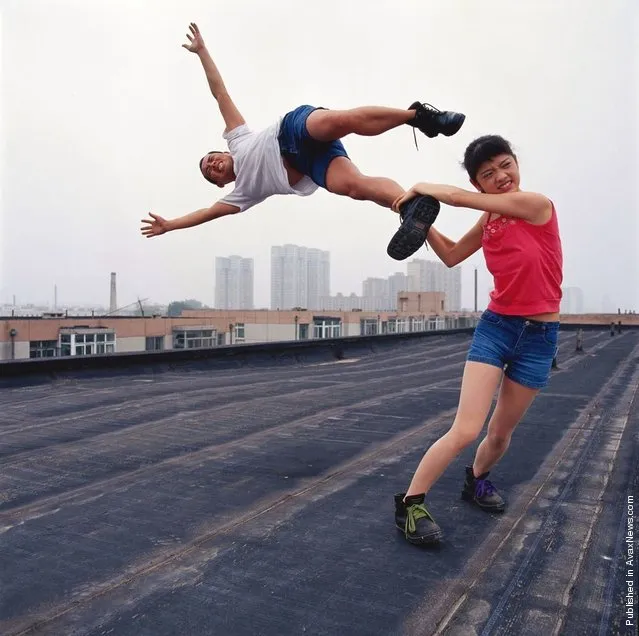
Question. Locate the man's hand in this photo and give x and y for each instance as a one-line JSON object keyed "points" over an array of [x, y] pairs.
{"points": [[231, 115], [196, 40], [155, 226]]}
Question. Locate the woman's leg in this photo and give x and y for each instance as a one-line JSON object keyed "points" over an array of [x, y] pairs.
{"points": [[513, 402], [479, 384], [526, 374]]}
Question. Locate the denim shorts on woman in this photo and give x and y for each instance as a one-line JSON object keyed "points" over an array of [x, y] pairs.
{"points": [[523, 348], [309, 156]]}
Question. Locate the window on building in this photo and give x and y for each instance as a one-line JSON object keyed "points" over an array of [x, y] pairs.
{"points": [[104, 343], [302, 331], [154, 343], [65, 344], [401, 325], [43, 348], [327, 328], [87, 343], [368, 327], [239, 332], [194, 338], [417, 324]]}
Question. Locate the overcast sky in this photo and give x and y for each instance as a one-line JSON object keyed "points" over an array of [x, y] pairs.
{"points": [[104, 117]]}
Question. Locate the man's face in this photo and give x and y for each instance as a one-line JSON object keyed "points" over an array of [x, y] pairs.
{"points": [[217, 167]]}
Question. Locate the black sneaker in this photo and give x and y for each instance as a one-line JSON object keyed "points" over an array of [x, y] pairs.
{"points": [[412, 518], [432, 121], [417, 215], [481, 492]]}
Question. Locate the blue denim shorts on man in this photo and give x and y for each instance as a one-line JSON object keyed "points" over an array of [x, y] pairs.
{"points": [[523, 348], [309, 156]]}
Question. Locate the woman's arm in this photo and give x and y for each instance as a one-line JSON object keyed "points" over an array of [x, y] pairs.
{"points": [[452, 253], [530, 206]]}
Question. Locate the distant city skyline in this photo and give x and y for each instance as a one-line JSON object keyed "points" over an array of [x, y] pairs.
{"points": [[300, 276], [68, 298], [234, 286], [375, 295], [572, 301], [425, 275]]}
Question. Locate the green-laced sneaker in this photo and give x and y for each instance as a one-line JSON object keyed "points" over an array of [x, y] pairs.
{"points": [[412, 518]]}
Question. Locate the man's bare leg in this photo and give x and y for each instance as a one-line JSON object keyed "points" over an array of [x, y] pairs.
{"points": [[329, 125], [343, 177]]}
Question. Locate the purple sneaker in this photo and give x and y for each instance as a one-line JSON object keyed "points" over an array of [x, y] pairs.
{"points": [[481, 492]]}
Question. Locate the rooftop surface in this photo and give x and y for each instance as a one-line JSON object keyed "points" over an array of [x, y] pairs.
{"points": [[256, 498]]}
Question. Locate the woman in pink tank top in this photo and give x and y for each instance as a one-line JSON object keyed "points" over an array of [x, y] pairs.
{"points": [[515, 341]]}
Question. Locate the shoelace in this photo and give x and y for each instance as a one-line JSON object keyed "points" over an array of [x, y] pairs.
{"points": [[425, 106], [483, 488], [413, 514]]}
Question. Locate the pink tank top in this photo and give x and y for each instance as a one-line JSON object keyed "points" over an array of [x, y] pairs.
{"points": [[526, 262]]}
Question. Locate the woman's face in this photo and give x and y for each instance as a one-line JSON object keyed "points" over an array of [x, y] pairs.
{"points": [[498, 175]]}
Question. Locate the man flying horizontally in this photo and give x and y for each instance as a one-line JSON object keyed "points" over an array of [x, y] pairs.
{"points": [[301, 152]]}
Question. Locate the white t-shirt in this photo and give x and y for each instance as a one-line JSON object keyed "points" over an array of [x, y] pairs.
{"points": [[259, 168]]}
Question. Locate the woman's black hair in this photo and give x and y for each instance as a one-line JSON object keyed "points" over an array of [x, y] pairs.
{"points": [[484, 149]]}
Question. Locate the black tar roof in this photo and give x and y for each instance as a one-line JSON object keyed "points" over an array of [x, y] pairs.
{"points": [[255, 497]]}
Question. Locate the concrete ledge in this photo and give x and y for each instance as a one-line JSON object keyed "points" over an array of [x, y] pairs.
{"points": [[231, 355], [574, 326]]}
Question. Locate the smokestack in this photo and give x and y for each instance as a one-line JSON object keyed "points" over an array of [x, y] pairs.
{"points": [[475, 290], [113, 304]]}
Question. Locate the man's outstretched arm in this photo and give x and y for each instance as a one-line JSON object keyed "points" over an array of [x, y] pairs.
{"points": [[232, 116], [157, 225]]}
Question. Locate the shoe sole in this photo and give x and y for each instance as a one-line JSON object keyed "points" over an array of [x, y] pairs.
{"points": [[466, 497], [412, 233], [423, 540]]}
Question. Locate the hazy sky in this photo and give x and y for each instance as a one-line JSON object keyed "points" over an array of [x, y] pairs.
{"points": [[104, 117]]}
